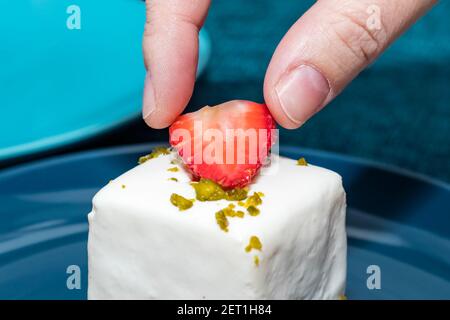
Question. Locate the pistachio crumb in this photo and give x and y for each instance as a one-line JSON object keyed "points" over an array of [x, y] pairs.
{"points": [[222, 220], [253, 211], [173, 169], [302, 162], [256, 260], [240, 214], [230, 212], [254, 243], [236, 194], [173, 179], [208, 190], [173, 161], [123, 186], [253, 200], [156, 152], [180, 202]]}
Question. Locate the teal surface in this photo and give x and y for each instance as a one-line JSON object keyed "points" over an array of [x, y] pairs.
{"points": [[61, 85], [395, 220]]}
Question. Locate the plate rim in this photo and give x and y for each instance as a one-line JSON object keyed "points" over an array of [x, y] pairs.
{"points": [[141, 147]]}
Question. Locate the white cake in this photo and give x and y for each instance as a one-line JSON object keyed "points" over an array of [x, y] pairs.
{"points": [[143, 247]]}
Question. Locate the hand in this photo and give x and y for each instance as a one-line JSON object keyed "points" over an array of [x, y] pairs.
{"points": [[316, 59]]}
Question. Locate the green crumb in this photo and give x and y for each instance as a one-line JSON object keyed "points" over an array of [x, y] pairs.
{"points": [[253, 211], [253, 243], [173, 179], [222, 220], [173, 169], [156, 152], [124, 186], [256, 260], [302, 162], [173, 161], [236, 194], [252, 203], [253, 200], [208, 190], [180, 202], [230, 212]]}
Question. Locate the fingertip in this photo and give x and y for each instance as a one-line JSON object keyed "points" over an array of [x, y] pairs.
{"points": [[158, 122], [272, 102], [170, 48]]}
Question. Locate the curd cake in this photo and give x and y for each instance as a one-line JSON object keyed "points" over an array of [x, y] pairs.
{"points": [[287, 242], [203, 221]]}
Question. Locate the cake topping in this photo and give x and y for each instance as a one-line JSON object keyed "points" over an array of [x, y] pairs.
{"points": [[253, 200], [254, 243], [173, 179], [173, 169], [253, 211], [123, 186], [180, 202], [222, 216], [252, 203], [208, 190], [230, 212], [227, 143], [156, 152], [256, 260], [302, 162], [222, 220], [236, 194]]}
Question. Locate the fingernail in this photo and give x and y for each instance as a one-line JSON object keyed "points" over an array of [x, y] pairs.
{"points": [[149, 104], [301, 93]]}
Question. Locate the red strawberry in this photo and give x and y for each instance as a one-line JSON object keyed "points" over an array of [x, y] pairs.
{"points": [[227, 143]]}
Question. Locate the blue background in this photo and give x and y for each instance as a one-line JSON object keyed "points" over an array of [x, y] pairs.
{"points": [[397, 111]]}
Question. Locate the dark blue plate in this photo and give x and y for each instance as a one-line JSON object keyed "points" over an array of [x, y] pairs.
{"points": [[397, 222]]}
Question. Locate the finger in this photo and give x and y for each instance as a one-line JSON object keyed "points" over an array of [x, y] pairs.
{"points": [[327, 47], [170, 47]]}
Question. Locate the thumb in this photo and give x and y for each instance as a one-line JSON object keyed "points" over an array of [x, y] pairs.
{"points": [[327, 47]]}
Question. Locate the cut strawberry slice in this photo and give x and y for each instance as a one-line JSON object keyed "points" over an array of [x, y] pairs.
{"points": [[227, 143]]}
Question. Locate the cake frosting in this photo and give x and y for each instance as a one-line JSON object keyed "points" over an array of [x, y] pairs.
{"points": [[141, 246]]}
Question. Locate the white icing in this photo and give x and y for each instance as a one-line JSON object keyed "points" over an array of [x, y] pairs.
{"points": [[142, 247]]}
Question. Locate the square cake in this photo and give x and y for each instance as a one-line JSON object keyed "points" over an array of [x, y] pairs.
{"points": [[149, 238]]}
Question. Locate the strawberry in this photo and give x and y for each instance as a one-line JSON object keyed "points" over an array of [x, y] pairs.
{"points": [[227, 143]]}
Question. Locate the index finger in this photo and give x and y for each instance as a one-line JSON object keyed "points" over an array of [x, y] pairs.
{"points": [[170, 47]]}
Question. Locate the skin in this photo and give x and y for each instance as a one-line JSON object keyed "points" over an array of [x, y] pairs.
{"points": [[319, 56]]}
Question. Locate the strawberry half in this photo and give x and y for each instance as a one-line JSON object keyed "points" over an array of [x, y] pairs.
{"points": [[227, 143]]}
